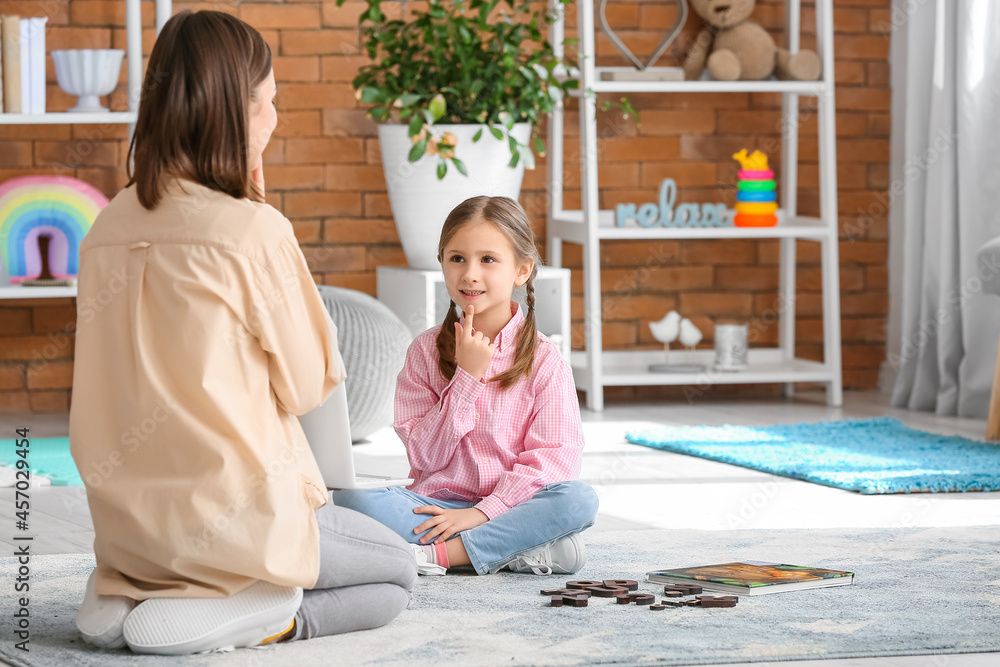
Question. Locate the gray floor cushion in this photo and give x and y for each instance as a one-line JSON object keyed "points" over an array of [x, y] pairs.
{"points": [[989, 261], [373, 342]]}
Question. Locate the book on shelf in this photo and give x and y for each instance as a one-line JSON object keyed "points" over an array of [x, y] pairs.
{"points": [[10, 44], [36, 64], [753, 577], [25, 53], [22, 64]]}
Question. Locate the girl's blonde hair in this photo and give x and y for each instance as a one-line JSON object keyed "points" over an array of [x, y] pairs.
{"points": [[510, 219]]}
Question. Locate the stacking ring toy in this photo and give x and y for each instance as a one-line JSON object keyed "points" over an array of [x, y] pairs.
{"points": [[744, 220], [755, 186], [757, 208], [762, 196], [755, 174]]}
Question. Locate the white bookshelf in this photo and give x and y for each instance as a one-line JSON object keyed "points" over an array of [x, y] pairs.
{"points": [[569, 227], [133, 53], [67, 118], [600, 86], [19, 292], [594, 368]]}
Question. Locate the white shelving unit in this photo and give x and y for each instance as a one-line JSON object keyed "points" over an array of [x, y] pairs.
{"points": [[67, 118], [56, 292], [595, 368], [133, 29]]}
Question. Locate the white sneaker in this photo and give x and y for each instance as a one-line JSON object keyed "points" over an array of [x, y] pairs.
{"points": [[423, 565], [101, 618], [179, 626], [566, 555]]}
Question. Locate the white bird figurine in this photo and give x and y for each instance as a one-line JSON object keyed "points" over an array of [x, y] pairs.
{"points": [[690, 335], [666, 329]]}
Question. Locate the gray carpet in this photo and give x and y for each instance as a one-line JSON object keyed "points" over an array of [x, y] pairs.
{"points": [[917, 591]]}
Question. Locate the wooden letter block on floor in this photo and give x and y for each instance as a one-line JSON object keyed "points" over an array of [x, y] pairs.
{"points": [[565, 591], [724, 601], [605, 591], [569, 600]]}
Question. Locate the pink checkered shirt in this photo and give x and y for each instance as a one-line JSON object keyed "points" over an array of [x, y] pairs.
{"points": [[469, 440]]}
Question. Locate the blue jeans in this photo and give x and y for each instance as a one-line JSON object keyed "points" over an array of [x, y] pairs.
{"points": [[557, 510]]}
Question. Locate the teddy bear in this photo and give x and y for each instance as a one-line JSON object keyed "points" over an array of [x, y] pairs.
{"points": [[736, 48]]}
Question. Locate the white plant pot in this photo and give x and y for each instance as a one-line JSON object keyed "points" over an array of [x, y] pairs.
{"points": [[420, 202]]}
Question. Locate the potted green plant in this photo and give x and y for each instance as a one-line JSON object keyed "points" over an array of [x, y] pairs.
{"points": [[459, 88]]}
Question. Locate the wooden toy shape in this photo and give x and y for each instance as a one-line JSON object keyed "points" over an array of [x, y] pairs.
{"points": [[642, 598], [684, 589], [673, 594], [724, 601], [565, 591], [568, 601], [628, 584], [623, 598], [674, 603], [605, 591], [657, 607], [583, 584]]}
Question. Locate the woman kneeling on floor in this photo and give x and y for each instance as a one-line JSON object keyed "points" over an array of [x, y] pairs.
{"points": [[200, 336]]}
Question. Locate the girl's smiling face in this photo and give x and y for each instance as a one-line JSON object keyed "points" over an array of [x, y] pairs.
{"points": [[481, 269]]}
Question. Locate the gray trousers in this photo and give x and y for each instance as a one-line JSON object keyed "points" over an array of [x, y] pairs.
{"points": [[366, 573]]}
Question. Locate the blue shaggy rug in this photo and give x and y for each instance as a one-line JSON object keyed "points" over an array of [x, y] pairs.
{"points": [[870, 456], [47, 457]]}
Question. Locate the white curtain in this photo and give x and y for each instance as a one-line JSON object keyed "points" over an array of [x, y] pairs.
{"points": [[948, 188]]}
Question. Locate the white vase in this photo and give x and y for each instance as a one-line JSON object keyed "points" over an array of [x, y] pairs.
{"points": [[88, 74], [421, 202]]}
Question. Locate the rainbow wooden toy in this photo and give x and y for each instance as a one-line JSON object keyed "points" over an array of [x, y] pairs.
{"points": [[756, 199], [60, 207]]}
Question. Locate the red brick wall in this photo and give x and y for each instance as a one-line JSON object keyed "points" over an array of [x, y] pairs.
{"points": [[323, 171]]}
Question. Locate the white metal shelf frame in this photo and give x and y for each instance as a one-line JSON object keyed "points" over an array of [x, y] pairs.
{"points": [[594, 368], [133, 34], [133, 52]]}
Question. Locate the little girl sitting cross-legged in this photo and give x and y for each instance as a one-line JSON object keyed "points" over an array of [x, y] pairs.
{"points": [[487, 409]]}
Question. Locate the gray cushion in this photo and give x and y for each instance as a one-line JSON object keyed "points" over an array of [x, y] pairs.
{"points": [[989, 266], [373, 342]]}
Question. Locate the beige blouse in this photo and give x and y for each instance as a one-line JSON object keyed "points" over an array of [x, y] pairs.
{"points": [[200, 335]]}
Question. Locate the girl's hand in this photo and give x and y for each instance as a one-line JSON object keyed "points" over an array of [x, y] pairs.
{"points": [[473, 351], [258, 175], [446, 523]]}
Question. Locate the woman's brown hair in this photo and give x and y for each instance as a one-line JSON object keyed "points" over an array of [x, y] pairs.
{"points": [[194, 108], [511, 220]]}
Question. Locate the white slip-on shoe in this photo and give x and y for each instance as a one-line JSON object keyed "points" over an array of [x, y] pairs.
{"points": [[567, 555], [180, 626], [101, 618], [424, 566]]}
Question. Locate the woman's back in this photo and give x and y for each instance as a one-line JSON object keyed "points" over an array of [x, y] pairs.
{"points": [[199, 338]]}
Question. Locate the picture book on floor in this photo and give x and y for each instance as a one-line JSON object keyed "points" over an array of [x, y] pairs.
{"points": [[753, 577]]}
